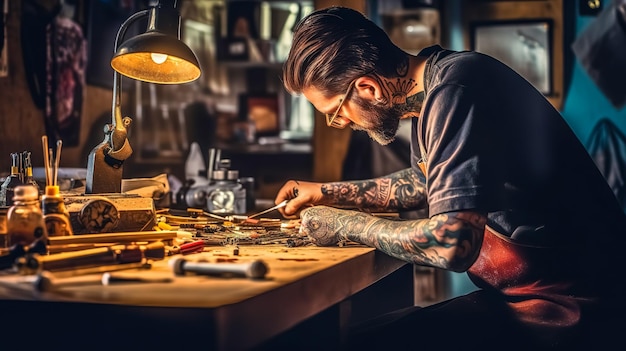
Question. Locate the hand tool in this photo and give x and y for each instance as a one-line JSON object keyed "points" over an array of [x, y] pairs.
{"points": [[110, 255], [280, 205], [242, 218], [253, 270], [49, 281], [110, 278], [186, 248], [117, 237]]}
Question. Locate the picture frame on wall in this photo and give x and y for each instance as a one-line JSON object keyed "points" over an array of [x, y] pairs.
{"points": [[526, 46], [262, 111]]}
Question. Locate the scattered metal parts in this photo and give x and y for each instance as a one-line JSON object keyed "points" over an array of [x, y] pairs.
{"points": [[294, 242]]}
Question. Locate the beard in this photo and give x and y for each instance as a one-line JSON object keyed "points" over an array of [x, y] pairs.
{"points": [[381, 122]]}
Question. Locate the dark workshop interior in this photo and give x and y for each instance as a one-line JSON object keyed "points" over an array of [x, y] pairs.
{"points": [[239, 111]]}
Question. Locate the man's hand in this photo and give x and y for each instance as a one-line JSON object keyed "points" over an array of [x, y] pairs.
{"points": [[300, 195], [320, 224]]}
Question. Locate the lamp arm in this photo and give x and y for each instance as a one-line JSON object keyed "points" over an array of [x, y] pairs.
{"points": [[105, 161], [118, 128]]}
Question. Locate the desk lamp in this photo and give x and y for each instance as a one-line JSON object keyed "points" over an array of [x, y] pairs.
{"points": [[156, 56]]}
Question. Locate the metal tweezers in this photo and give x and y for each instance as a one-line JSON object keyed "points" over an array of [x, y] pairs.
{"points": [[280, 205], [243, 218]]}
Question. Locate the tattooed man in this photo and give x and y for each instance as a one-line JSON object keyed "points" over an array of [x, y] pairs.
{"points": [[513, 197]]}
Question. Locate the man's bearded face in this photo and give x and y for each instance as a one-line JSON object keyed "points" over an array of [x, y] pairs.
{"points": [[382, 122]]}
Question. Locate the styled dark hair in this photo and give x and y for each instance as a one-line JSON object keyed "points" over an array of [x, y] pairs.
{"points": [[333, 46]]}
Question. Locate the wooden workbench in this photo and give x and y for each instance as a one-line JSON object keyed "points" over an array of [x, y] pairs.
{"points": [[309, 292]]}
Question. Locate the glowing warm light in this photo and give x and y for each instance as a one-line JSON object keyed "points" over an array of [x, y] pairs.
{"points": [[158, 58]]}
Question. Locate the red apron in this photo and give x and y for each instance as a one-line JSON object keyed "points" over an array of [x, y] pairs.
{"points": [[533, 279]]}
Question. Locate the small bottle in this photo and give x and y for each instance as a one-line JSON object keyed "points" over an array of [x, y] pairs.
{"points": [[25, 223], [55, 214], [195, 168], [27, 163], [12, 181]]}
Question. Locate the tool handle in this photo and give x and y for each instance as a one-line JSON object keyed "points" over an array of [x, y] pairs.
{"points": [[115, 254], [253, 270]]}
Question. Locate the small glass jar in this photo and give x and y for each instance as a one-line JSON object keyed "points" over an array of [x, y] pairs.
{"points": [[25, 222], [55, 214]]}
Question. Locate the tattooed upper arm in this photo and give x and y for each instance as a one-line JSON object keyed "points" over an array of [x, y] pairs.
{"points": [[409, 191], [402, 190]]}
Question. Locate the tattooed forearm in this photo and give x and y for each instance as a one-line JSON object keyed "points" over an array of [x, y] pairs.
{"points": [[401, 190], [444, 241], [451, 241]]}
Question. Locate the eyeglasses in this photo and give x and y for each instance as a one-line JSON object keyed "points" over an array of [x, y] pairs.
{"points": [[331, 119]]}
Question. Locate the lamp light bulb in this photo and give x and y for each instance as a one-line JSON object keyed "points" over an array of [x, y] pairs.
{"points": [[158, 58]]}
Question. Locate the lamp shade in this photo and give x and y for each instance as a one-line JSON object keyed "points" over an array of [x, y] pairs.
{"points": [[136, 59]]}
